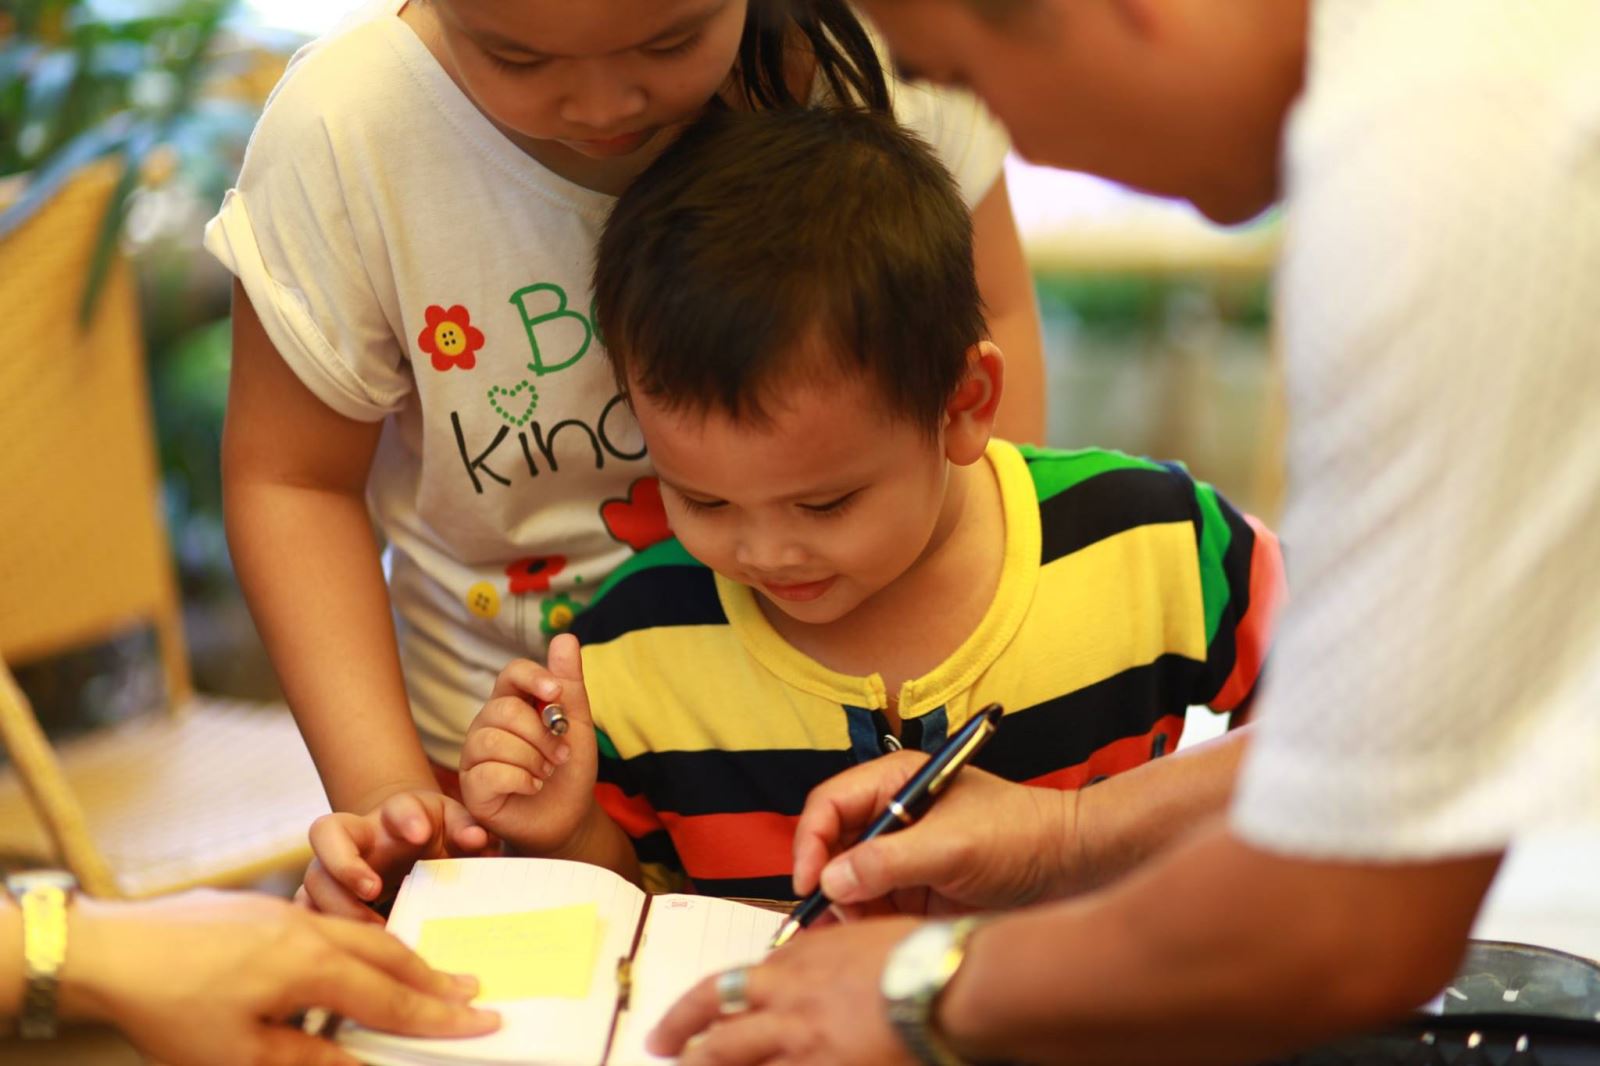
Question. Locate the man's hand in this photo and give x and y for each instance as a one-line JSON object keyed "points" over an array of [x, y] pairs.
{"points": [[815, 1001], [531, 787], [985, 844], [211, 977], [360, 858]]}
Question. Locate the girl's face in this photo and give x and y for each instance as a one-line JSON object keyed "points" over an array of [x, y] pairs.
{"points": [[600, 77]]}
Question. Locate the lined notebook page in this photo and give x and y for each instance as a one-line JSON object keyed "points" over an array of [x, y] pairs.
{"points": [[541, 1031], [685, 938]]}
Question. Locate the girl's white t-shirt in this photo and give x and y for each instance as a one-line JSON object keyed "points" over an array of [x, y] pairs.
{"points": [[413, 265]]}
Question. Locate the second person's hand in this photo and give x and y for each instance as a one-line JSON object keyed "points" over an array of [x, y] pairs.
{"points": [[986, 844]]}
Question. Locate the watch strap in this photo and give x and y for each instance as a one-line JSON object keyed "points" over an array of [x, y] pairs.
{"points": [[912, 1017], [42, 898]]}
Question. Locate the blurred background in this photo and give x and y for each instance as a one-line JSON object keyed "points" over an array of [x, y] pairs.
{"points": [[1156, 323]]}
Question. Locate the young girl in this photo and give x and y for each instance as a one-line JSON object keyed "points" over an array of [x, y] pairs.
{"points": [[412, 236]]}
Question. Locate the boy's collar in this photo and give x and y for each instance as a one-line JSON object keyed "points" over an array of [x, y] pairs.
{"points": [[1014, 594]]}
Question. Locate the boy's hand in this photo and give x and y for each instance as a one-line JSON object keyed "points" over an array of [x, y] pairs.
{"points": [[361, 858], [986, 844], [531, 787]]}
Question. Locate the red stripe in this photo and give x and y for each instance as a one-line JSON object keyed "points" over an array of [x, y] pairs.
{"points": [[1268, 592], [754, 844], [633, 813], [1114, 758]]}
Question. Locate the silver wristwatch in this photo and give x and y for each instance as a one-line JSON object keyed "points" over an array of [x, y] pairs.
{"points": [[917, 971]]}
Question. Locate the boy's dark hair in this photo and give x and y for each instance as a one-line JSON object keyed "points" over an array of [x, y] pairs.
{"points": [[760, 241]]}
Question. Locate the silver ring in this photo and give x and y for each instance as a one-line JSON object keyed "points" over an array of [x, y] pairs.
{"points": [[733, 988]]}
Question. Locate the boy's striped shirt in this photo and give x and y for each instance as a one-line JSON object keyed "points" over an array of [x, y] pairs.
{"points": [[1129, 591]]}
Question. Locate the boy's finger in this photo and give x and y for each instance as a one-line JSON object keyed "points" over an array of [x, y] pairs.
{"points": [[340, 846], [406, 818], [499, 745], [565, 658], [462, 831], [518, 718], [496, 779], [524, 677], [327, 896]]}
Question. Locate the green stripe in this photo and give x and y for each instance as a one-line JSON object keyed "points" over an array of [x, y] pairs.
{"points": [[1055, 471], [667, 553], [1215, 537], [608, 750]]}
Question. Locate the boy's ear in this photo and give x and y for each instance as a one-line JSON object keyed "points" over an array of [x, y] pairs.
{"points": [[970, 413]]}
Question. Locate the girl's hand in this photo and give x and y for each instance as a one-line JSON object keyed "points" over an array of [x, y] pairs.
{"points": [[361, 858], [529, 786]]}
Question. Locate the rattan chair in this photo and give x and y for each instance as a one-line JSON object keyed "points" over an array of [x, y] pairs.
{"points": [[201, 791]]}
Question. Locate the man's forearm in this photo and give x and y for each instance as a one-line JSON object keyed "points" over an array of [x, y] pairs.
{"points": [[1124, 820], [310, 569], [1215, 952]]}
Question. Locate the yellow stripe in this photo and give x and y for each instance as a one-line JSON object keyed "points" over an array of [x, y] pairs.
{"points": [[1119, 603], [690, 688]]}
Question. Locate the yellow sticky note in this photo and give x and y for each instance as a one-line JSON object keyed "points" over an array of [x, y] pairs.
{"points": [[525, 955]]}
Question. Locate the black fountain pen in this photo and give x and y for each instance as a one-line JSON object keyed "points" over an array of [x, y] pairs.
{"points": [[909, 804]]}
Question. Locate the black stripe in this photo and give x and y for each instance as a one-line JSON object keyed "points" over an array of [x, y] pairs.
{"points": [[1068, 729], [1111, 503], [658, 596], [780, 887], [693, 783], [657, 847]]}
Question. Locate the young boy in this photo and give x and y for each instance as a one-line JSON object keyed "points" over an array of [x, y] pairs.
{"points": [[789, 303]]}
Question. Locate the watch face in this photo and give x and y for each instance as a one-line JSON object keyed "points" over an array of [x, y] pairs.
{"points": [[916, 967]]}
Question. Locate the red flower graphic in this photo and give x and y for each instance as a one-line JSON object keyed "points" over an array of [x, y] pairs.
{"points": [[640, 520], [533, 574], [451, 338]]}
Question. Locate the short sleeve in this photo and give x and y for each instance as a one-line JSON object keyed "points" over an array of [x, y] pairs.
{"points": [[968, 140], [1436, 686], [1242, 588], [299, 230]]}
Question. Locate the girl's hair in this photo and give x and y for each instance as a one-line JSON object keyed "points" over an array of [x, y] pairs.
{"points": [[844, 54]]}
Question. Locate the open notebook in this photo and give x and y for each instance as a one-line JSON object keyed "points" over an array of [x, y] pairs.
{"points": [[545, 938]]}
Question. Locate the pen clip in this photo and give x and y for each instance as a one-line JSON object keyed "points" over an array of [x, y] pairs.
{"points": [[963, 755]]}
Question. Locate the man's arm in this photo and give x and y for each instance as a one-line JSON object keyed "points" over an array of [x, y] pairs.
{"points": [[1216, 952]]}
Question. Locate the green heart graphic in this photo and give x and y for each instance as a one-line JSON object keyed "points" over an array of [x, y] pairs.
{"points": [[507, 410]]}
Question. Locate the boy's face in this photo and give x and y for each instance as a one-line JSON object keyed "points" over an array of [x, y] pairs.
{"points": [[1181, 98], [820, 508]]}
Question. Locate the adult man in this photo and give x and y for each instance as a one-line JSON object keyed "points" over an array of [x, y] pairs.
{"points": [[1436, 685]]}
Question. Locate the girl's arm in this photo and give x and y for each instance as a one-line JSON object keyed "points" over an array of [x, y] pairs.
{"points": [[294, 477], [1007, 289]]}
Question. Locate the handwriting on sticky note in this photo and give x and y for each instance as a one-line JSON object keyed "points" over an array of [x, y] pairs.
{"points": [[525, 955]]}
